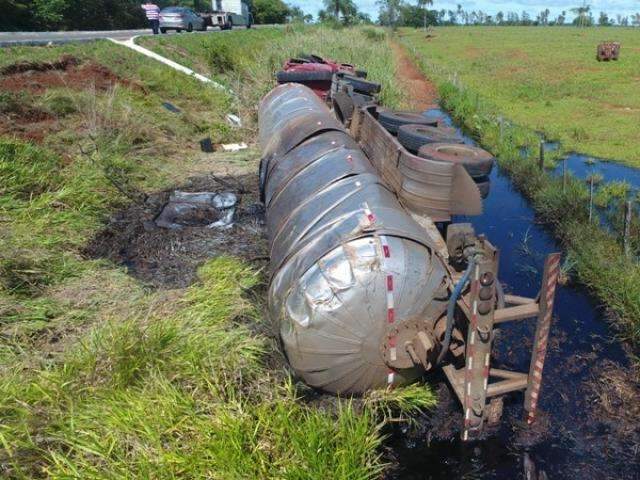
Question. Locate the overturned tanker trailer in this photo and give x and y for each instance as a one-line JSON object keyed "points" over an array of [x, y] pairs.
{"points": [[365, 290]]}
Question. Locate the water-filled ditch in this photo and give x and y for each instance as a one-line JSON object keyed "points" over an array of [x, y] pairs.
{"points": [[586, 431]]}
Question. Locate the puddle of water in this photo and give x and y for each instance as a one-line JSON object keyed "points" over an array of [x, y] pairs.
{"points": [[577, 444], [582, 166]]}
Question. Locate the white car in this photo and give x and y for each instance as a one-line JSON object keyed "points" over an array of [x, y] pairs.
{"points": [[181, 18]]}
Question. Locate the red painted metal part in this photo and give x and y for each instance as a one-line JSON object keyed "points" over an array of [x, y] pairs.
{"points": [[547, 297]]}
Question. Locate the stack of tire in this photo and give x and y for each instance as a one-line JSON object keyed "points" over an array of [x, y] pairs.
{"points": [[427, 137]]}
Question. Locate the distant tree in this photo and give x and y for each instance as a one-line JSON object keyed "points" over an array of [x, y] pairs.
{"points": [[296, 14], [453, 17], [603, 20], [624, 21], [389, 12], [422, 5], [335, 6], [543, 17], [561, 18], [364, 18], [635, 19], [583, 16], [499, 18], [270, 11], [525, 18], [416, 16]]}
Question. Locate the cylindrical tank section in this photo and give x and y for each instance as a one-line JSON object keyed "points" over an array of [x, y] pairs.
{"points": [[349, 267]]}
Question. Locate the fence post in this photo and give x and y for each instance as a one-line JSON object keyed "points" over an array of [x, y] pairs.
{"points": [[626, 239], [590, 198], [541, 155]]}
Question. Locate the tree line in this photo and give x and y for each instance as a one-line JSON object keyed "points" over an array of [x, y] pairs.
{"points": [[120, 14], [30, 15], [402, 13]]}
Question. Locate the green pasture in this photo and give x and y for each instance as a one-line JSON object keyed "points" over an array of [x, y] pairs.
{"points": [[546, 79]]}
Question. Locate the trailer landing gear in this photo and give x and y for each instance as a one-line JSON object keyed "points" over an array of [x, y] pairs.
{"points": [[479, 387]]}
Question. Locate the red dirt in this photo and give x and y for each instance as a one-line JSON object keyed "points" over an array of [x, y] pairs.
{"points": [[66, 72], [35, 78], [421, 92]]}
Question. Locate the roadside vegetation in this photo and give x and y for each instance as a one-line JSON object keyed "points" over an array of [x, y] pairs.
{"points": [[546, 79], [103, 376], [593, 251]]}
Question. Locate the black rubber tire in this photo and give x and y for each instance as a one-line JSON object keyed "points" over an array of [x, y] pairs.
{"points": [[484, 185], [286, 77], [476, 161], [361, 73], [343, 107], [163, 30], [393, 120], [178, 30], [190, 27], [204, 27], [413, 137], [362, 86]]}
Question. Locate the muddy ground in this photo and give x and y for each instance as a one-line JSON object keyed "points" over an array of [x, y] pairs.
{"points": [[168, 258]]}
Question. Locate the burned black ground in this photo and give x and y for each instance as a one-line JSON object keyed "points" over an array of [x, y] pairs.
{"points": [[165, 258]]}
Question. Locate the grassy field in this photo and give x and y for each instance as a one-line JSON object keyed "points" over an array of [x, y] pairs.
{"points": [[594, 254], [102, 376], [547, 79]]}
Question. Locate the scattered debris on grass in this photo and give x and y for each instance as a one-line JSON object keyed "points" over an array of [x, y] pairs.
{"points": [[234, 147], [192, 209]]}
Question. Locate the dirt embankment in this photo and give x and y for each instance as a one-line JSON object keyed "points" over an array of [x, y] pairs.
{"points": [[421, 93], [22, 85]]}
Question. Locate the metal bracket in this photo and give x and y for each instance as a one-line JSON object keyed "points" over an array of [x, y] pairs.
{"points": [[472, 382]]}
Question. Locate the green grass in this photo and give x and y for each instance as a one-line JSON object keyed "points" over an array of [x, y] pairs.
{"points": [[546, 79], [102, 377], [595, 253]]}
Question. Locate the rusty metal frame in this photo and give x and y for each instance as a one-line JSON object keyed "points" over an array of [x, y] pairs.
{"points": [[472, 383]]}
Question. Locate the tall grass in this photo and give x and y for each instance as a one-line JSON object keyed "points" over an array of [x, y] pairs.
{"points": [[264, 51], [183, 394]]}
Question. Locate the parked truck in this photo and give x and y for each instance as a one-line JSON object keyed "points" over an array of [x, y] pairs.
{"points": [[227, 14]]}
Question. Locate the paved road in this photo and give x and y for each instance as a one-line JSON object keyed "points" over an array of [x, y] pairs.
{"points": [[8, 39]]}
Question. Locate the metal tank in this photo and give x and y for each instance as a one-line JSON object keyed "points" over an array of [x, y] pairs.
{"points": [[349, 267]]}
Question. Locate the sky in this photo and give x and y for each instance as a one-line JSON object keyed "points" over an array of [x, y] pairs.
{"points": [[623, 7]]}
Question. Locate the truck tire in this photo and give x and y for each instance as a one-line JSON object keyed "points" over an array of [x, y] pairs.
{"points": [[190, 27], [476, 161], [163, 30], [393, 120], [321, 76], [362, 86], [361, 73], [178, 30], [204, 26], [413, 137]]}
